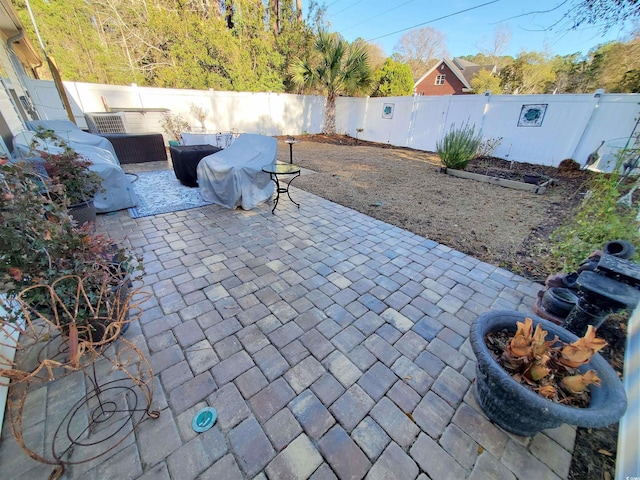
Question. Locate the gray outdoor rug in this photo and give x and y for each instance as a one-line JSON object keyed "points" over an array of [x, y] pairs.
{"points": [[161, 192]]}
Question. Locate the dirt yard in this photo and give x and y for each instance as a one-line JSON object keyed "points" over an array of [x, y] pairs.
{"points": [[405, 187]]}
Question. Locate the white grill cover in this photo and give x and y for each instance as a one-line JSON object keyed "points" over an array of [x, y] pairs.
{"points": [[233, 177]]}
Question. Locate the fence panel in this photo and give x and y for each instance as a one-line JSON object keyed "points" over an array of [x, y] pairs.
{"points": [[564, 119], [351, 113], [266, 113], [616, 117], [387, 120], [465, 109], [429, 119], [93, 97]]}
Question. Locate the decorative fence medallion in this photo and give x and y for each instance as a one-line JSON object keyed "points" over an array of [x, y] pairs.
{"points": [[532, 115], [387, 110]]}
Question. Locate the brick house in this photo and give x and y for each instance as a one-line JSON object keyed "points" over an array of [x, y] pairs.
{"points": [[449, 77]]}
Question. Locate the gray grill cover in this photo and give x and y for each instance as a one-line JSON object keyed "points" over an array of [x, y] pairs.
{"points": [[233, 177]]}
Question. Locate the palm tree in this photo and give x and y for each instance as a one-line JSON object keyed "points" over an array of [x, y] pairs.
{"points": [[338, 68]]}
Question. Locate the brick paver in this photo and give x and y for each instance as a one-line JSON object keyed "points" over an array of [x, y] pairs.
{"points": [[395, 422], [271, 362], [459, 445], [282, 428], [370, 437], [251, 447], [251, 382], [393, 463], [352, 407], [445, 468], [312, 414], [332, 345], [296, 462], [377, 380], [230, 406], [196, 455], [343, 455], [304, 374], [191, 392], [271, 399]]}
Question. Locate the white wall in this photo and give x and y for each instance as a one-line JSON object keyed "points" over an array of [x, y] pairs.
{"points": [[573, 125], [11, 118]]}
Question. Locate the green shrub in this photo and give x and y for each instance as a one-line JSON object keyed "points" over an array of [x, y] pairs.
{"points": [[459, 146], [599, 220]]}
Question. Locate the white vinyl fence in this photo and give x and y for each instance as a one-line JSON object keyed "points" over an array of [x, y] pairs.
{"points": [[570, 126], [264, 113]]}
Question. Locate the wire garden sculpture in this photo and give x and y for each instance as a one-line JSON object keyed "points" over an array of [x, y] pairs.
{"points": [[71, 344]]}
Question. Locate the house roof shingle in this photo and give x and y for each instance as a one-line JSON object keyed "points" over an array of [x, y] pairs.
{"points": [[463, 69]]}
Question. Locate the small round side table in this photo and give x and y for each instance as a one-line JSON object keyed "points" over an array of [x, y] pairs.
{"points": [[275, 169]]}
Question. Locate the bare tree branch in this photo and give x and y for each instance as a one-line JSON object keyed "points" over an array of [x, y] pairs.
{"points": [[420, 47]]}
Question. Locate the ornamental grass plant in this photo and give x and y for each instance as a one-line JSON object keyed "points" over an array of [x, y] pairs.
{"points": [[459, 146]]}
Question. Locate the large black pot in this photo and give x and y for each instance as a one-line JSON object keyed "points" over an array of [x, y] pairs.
{"points": [[84, 212], [523, 412]]}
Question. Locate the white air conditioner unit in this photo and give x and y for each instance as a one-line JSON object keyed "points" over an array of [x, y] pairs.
{"points": [[106, 122]]}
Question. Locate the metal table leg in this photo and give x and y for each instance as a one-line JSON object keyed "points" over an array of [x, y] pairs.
{"points": [[279, 189]]}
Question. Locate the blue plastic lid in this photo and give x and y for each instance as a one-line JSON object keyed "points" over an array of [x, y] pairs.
{"points": [[204, 419]]}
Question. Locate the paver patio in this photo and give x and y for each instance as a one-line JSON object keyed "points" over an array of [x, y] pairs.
{"points": [[332, 345]]}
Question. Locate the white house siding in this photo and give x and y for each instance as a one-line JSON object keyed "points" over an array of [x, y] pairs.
{"points": [[11, 117], [8, 110]]}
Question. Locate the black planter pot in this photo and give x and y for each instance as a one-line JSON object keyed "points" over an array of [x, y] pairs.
{"points": [[620, 248], [95, 329], [559, 301], [519, 410], [531, 178], [83, 212]]}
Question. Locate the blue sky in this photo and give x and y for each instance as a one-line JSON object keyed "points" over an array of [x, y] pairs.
{"points": [[465, 32]]}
